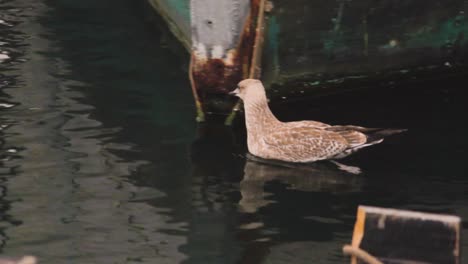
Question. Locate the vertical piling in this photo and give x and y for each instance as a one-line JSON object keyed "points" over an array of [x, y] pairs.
{"points": [[224, 51]]}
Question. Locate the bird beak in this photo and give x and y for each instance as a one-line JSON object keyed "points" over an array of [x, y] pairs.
{"points": [[235, 92]]}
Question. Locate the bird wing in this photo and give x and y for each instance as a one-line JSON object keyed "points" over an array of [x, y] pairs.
{"points": [[302, 144], [353, 137], [307, 123]]}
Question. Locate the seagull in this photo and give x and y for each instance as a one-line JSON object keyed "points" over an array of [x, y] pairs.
{"points": [[23, 260], [298, 141]]}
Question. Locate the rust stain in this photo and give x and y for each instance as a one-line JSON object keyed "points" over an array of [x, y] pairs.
{"points": [[213, 75], [216, 77]]}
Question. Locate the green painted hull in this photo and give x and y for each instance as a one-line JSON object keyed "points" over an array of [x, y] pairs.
{"points": [[325, 40]]}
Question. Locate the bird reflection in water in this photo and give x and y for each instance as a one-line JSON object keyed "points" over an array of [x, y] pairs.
{"points": [[326, 176], [228, 190]]}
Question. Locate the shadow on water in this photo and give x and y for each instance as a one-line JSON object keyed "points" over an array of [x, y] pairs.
{"points": [[101, 161]]}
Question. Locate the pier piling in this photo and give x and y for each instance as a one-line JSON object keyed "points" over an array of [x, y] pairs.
{"points": [[226, 48]]}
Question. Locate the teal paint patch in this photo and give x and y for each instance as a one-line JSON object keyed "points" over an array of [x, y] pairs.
{"points": [[333, 42], [182, 7], [452, 32], [271, 50], [273, 34]]}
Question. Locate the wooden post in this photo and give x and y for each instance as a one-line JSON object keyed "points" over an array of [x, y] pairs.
{"points": [[224, 34], [397, 236]]}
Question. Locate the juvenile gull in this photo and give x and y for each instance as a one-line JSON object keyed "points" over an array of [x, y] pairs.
{"points": [[300, 141]]}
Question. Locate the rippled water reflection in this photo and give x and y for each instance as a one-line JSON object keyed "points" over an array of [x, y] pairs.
{"points": [[68, 195], [101, 161]]}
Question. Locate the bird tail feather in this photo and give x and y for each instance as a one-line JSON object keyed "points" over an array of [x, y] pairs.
{"points": [[374, 136]]}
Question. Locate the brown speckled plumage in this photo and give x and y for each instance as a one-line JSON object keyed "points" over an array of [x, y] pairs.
{"points": [[23, 260], [300, 141]]}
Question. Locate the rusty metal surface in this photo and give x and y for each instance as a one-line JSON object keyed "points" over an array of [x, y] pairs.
{"points": [[216, 71]]}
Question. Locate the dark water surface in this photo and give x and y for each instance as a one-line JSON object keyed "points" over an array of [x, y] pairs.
{"points": [[101, 160]]}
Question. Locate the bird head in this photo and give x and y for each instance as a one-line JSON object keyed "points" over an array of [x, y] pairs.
{"points": [[249, 89]]}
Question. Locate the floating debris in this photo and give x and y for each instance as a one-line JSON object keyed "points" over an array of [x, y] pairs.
{"points": [[3, 57], [263, 239], [3, 22], [393, 43], [314, 83], [6, 105], [250, 226]]}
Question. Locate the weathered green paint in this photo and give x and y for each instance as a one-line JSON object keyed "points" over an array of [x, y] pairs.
{"points": [[334, 39], [270, 67], [452, 32], [176, 13]]}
